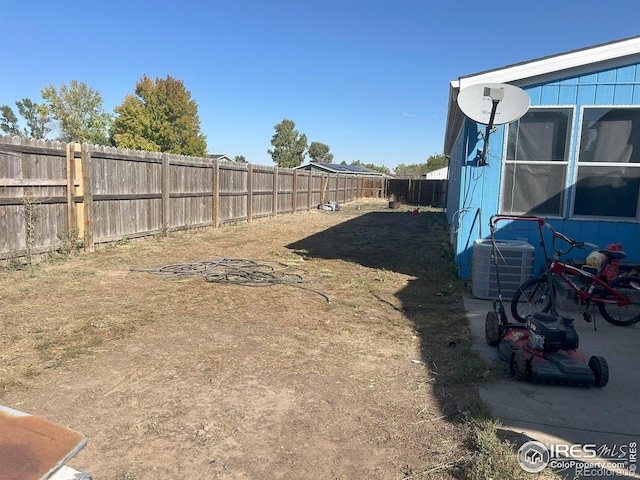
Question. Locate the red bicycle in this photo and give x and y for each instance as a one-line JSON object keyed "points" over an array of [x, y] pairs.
{"points": [[618, 300]]}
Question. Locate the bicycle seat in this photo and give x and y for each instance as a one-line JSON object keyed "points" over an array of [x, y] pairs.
{"points": [[614, 254]]}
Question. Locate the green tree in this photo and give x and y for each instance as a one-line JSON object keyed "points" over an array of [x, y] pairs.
{"points": [[240, 159], [436, 162], [289, 145], [9, 121], [77, 110], [38, 120], [162, 117], [410, 171], [319, 152]]}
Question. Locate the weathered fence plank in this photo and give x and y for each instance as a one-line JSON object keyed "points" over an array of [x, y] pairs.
{"points": [[88, 210], [49, 189]]}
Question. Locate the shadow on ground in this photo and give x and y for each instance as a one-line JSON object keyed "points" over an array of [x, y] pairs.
{"points": [[415, 245]]}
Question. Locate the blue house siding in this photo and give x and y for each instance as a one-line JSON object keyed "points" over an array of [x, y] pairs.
{"points": [[479, 191], [479, 187]]}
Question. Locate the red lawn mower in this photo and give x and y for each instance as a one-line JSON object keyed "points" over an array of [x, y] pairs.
{"points": [[545, 348]]}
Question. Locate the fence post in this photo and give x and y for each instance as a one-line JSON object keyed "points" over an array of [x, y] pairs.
{"points": [[274, 201], [216, 193], [309, 185], [71, 188], [344, 190], [89, 215], [166, 192], [324, 184], [294, 196], [249, 192], [78, 166]]}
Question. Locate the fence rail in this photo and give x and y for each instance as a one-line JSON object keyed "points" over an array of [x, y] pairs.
{"points": [[49, 189]]}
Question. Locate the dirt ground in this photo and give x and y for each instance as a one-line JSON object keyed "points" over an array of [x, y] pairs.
{"points": [[175, 377]]}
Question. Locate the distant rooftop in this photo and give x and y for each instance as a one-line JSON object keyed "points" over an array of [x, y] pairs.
{"points": [[220, 156], [340, 168]]}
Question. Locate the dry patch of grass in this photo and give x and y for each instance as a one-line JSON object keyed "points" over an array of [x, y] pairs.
{"points": [[226, 381]]}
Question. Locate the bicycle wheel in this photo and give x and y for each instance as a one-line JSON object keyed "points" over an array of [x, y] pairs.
{"points": [[532, 296], [622, 315]]}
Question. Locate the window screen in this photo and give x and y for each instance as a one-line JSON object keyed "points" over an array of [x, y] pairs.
{"points": [[535, 167], [608, 175]]}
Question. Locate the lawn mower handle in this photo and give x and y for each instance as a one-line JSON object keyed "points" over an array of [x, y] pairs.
{"points": [[496, 218]]}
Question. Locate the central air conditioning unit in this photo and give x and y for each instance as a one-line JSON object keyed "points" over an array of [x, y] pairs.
{"points": [[515, 259]]}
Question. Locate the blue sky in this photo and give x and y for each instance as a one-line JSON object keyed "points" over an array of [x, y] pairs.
{"points": [[369, 78]]}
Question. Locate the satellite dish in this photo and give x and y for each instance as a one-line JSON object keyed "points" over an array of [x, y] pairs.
{"points": [[492, 104], [478, 101]]}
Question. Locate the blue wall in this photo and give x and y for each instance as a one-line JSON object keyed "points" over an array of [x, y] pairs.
{"points": [[475, 190], [478, 191]]}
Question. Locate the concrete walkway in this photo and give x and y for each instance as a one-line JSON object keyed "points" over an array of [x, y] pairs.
{"points": [[607, 419]]}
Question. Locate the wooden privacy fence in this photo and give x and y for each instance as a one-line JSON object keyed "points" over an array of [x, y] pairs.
{"points": [[418, 191], [49, 190]]}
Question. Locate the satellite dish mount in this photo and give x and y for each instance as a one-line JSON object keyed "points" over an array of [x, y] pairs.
{"points": [[493, 104], [496, 95]]}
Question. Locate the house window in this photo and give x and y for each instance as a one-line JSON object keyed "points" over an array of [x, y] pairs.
{"points": [[536, 162], [608, 173]]}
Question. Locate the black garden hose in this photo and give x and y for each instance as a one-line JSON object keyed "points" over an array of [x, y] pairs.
{"points": [[234, 271]]}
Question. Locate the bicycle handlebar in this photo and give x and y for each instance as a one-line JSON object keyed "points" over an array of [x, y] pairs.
{"points": [[573, 243]]}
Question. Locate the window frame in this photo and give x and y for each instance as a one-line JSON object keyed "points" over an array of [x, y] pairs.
{"points": [[566, 163], [577, 164]]}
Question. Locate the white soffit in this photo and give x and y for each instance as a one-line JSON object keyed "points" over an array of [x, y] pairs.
{"points": [[555, 63], [588, 59]]}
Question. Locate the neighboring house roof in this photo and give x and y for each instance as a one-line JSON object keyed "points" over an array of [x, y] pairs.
{"points": [[545, 69], [440, 174], [339, 168], [217, 156]]}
